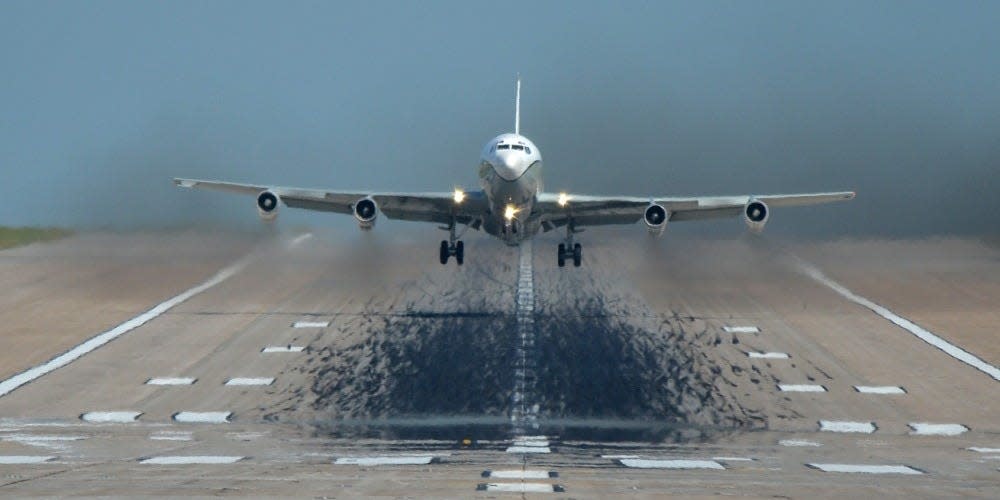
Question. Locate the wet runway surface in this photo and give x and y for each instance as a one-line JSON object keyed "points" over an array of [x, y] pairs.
{"points": [[686, 367]]}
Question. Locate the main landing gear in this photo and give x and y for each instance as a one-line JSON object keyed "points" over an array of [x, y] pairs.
{"points": [[570, 250], [453, 246]]}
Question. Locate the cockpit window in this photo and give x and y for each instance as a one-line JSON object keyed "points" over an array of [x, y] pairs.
{"points": [[503, 146], [527, 150], [519, 148]]}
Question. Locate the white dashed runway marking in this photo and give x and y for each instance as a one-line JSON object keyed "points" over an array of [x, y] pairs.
{"points": [[171, 381], [741, 329], [978, 449], [203, 417], [642, 463], [520, 474], [768, 355], [879, 389], [925, 335], [925, 429], [250, 381], [56, 443], [521, 487], [310, 324], [845, 426], [392, 460], [801, 388], [799, 442], [118, 417], [172, 436], [191, 460], [96, 342], [866, 469], [23, 459], [529, 449], [282, 348], [732, 459]]}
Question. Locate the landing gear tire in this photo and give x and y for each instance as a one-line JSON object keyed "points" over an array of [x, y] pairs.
{"points": [[444, 253], [459, 252], [577, 255], [562, 255]]}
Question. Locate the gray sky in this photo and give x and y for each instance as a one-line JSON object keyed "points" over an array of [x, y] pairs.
{"points": [[103, 102]]}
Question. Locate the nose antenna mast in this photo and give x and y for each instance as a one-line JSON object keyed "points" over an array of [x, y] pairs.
{"points": [[517, 106]]}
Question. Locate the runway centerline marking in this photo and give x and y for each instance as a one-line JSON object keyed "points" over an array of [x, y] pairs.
{"points": [[768, 355], [310, 324], [31, 374], [521, 487], [24, 459], [520, 474], [203, 417], [282, 348], [921, 333], [741, 329], [799, 443], [642, 463], [523, 412], [389, 460]]}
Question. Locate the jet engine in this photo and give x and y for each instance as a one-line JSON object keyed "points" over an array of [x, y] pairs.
{"points": [[365, 211], [267, 205], [755, 214], [655, 218]]}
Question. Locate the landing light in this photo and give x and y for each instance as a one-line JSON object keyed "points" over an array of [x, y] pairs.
{"points": [[563, 199], [459, 196], [509, 212]]}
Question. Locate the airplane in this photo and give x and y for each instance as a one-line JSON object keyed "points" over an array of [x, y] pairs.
{"points": [[511, 204]]}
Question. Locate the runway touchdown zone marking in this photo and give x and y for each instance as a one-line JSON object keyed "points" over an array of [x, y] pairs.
{"points": [[191, 460], [106, 417], [171, 381], [203, 417], [642, 463], [282, 348], [521, 487], [250, 381], [866, 469], [801, 388], [925, 429], [845, 426], [741, 329], [768, 355], [879, 389]]}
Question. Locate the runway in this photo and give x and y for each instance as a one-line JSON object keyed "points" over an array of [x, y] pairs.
{"points": [[325, 364]]}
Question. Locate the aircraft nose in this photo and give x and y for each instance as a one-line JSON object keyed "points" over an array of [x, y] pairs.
{"points": [[509, 161]]}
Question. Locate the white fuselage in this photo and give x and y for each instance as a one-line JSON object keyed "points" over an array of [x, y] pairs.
{"points": [[510, 173]]}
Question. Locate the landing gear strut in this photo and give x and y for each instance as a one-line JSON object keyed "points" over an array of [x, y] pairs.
{"points": [[569, 249], [453, 246]]}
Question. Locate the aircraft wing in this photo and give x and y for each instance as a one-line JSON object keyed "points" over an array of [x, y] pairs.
{"points": [[606, 210], [427, 207]]}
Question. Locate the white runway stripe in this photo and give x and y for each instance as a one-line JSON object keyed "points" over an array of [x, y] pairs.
{"points": [[866, 469], [521, 487], [741, 329], [925, 429], [191, 460], [925, 335], [104, 417], [529, 449], [799, 443], [171, 381], [79, 351], [843, 426], [391, 460], [310, 324], [23, 459], [641, 463], [879, 389], [250, 381], [283, 348], [519, 474], [801, 388], [203, 417], [768, 355]]}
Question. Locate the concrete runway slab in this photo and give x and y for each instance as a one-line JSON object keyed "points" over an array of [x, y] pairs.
{"points": [[629, 357]]}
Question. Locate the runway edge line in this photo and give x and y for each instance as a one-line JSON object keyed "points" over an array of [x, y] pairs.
{"points": [[31, 374]]}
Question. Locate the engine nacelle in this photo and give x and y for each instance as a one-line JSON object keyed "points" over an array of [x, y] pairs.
{"points": [[655, 218], [755, 214], [267, 205], [366, 211]]}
